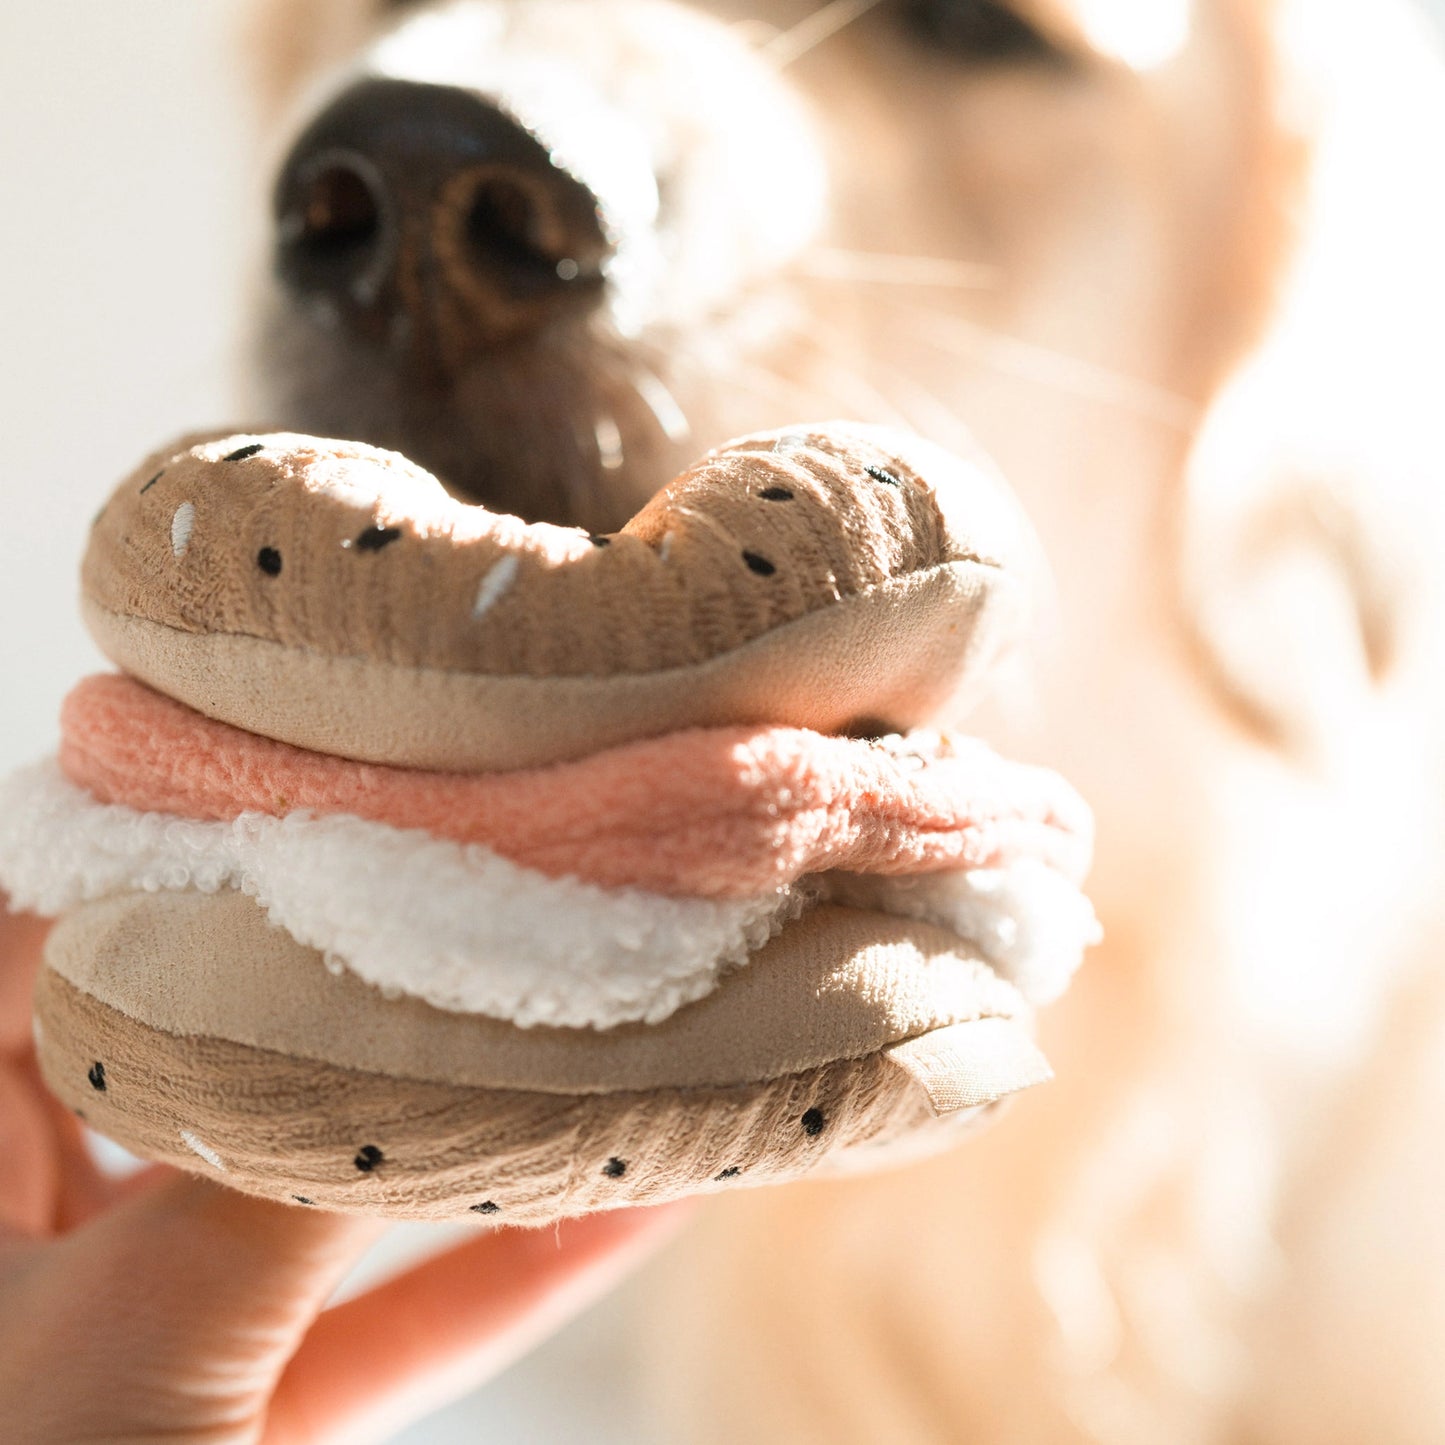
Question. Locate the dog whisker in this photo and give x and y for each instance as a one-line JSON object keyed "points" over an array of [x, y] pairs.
{"points": [[849, 383], [769, 384], [656, 397], [909, 400], [927, 413], [886, 269], [826, 21], [970, 341]]}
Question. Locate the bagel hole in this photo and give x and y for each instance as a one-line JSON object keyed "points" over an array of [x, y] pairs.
{"points": [[869, 729]]}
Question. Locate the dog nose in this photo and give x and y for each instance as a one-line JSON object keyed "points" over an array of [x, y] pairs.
{"points": [[408, 211]]}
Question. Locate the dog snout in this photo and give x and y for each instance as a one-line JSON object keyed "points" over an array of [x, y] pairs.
{"points": [[543, 248], [425, 215]]}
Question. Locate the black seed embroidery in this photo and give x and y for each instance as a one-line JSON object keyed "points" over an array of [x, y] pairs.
{"points": [[813, 1122], [96, 1075], [485, 1207], [375, 538], [731, 1172], [301, 1199], [152, 481], [268, 559], [879, 475], [368, 1158], [241, 453], [776, 494], [615, 1168], [600, 541], [79, 1113], [760, 565]]}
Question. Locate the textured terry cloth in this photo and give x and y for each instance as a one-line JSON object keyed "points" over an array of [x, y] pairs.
{"points": [[708, 813], [361, 1142], [448, 922], [458, 925]]}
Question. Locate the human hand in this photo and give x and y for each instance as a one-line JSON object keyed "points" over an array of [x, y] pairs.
{"points": [[164, 1307]]}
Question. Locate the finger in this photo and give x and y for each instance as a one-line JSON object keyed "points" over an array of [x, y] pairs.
{"points": [[49, 1179], [46, 1174], [142, 1181], [85, 1188], [223, 1263], [378, 1362], [29, 1169], [210, 1279], [22, 936], [175, 1312]]}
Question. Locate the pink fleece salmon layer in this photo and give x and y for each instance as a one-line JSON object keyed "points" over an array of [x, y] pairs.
{"points": [[706, 813]]}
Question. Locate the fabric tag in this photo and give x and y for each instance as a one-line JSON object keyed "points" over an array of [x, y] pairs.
{"points": [[964, 1065]]}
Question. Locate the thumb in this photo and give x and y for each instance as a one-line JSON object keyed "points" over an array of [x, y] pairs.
{"points": [[174, 1312]]}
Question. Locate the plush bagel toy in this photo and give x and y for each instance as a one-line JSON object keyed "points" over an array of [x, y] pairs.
{"points": [[424, 862]]}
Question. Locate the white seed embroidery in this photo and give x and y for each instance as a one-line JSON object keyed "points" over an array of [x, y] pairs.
{"points": [[182, 525], [204, 1150], [494, 584]]}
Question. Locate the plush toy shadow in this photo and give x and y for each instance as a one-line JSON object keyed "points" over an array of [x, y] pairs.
{"points": [[423, 862]]}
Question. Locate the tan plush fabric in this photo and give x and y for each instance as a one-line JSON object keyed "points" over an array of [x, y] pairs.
{"points": [[836, 984], [369, 1143], [888, 659], [350, 551]]}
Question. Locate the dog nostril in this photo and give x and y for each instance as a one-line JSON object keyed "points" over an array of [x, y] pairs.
{"points": [[428, 217], [512, 227], [330, 229], [504, 223], [339, 214]]}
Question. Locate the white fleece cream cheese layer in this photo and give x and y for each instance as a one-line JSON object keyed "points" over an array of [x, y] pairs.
{"points": [[468, 931], [1029, 922]]}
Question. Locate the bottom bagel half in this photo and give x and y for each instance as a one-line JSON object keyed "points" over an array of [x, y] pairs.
{"points": [[191, 1030]]}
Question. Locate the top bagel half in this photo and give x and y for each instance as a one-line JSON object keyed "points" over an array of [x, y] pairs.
{"points": [[840, 578]]}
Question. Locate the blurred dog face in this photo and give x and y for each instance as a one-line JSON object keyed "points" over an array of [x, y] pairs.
{"points": [[553, 249]]}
